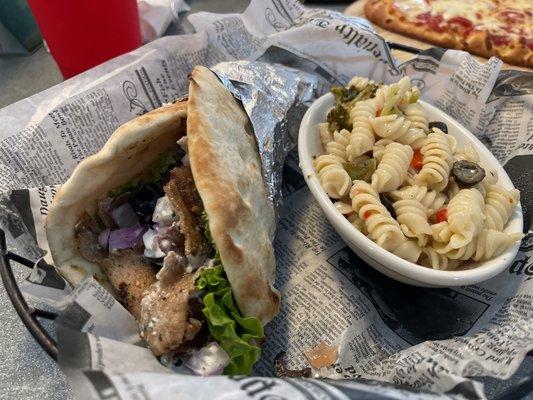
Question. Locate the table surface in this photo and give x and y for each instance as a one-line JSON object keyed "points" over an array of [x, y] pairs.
{"points": [[26, 371]]}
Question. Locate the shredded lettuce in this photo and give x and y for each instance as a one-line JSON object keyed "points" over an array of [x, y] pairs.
{"points": [[157, 174], [207, 234], [161, 167], [236, 334]]}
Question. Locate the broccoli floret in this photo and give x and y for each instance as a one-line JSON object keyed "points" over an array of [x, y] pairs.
{"points": [[343, 95], [338, 118], [373, 88], [362, 171]]}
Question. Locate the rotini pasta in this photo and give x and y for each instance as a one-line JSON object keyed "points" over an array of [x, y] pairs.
{"points": [[432, 259], [467, 153], [466, 214], [413, 220], [389, 96], [392, 169], [441, 232], [408, 250], [362, 137], [499, 205], [398, 129], [437, 160], [337, 146], [430, 199], [488, 244], [343, 207], [332, 175], [381, 227], [359, 82], [413, 113], [416, 195], [379, 148], [325, 135]]}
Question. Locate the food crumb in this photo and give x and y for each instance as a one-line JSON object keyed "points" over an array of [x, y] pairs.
{"points": [[322, 355]]}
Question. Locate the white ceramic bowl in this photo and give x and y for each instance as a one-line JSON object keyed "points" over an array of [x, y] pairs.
{"points": [[382, 260]]}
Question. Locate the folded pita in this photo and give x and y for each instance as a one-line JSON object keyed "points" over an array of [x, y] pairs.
{"points": [[227, 170], [223, 185]]}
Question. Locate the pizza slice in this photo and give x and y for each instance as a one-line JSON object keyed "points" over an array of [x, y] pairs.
{"points": [[501, 28]]}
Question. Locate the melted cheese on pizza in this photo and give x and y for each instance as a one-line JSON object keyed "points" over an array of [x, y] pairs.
{"points": [[481, 13]]}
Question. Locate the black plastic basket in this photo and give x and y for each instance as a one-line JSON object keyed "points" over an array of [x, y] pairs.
{"points": [[28, 315]]}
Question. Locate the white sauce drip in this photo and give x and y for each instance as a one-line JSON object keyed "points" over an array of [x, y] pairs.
{"points": [[209, 360], [182, 142]]}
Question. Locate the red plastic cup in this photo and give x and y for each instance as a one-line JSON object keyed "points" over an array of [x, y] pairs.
{"points": [[85, 33]]}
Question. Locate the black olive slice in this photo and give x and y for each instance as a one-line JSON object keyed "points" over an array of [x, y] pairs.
{"points": [[144, 200], [467, 173], [437, 124], [282, 371], [387, 202]]}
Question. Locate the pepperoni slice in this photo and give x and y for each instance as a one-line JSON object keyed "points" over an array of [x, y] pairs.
{"points": [[466, 24], [512, 16], [500, 40], [435, 22]]}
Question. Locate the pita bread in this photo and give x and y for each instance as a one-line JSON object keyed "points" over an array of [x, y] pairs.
{"points": [[127, 154], [227, 171]]}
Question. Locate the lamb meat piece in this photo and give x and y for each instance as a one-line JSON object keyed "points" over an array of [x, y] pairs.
{"points": [[172, 239], [166, 322], [184, 180], [202, 337], [86, 232], [183, 195], [127, 273], [130, 276]]}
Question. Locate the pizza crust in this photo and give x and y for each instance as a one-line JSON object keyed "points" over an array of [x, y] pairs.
{"points": [[382, 14], [477, 42]]}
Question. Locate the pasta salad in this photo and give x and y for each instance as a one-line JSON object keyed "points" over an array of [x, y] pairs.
{"points": [[404, 182]]}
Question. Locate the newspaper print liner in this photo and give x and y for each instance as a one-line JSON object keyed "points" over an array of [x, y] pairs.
{"points": [[286, 32]]}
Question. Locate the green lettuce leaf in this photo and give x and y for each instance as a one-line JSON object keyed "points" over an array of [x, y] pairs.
{"points": [[207, 234], [157, 174], [236, 334], [161, 167]]}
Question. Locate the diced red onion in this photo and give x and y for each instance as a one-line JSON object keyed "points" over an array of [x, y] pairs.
{"points": [[103, 239], [126, 238], [124, 216]]}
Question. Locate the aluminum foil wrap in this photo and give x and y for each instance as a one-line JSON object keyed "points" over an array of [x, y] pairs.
{"points": [[275, 98]]}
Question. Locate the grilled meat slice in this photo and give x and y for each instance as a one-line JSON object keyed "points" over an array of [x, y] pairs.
{"points": [[87, 239], [183, 195], [127, 273], [166, 321], [130, 276]]}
